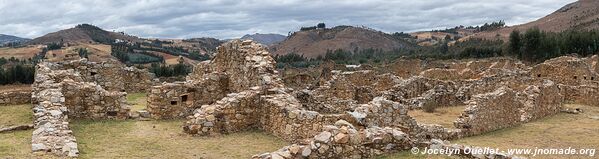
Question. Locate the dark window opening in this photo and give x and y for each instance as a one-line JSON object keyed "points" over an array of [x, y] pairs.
{"points": [[184, 98], [173, 102], [539, 75], [111, 113], [593, 78], [575, 77], [585, 77], [93, 73]]}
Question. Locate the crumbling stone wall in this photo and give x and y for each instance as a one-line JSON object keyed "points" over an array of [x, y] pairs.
{"points": [[342, 140], [584, 94], [299, 81], [566, 70], [60, 91], [112, 75], [89, 101], [238, 66], [541, 100], [51, 127], [15, 97], [491, 111], [406, 68]]}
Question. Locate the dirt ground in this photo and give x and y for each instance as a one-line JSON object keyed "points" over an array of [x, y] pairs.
{"points": [[443, 116]]}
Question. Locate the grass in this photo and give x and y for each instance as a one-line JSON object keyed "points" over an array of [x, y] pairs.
{"points": [[443, 116], [164, 139], [559, 131], [18, 143], [137, 100], [15, 115]]}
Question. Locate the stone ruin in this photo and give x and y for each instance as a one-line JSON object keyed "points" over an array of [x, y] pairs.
{"points": [[333, 112], [83, 90], [15, 97]]}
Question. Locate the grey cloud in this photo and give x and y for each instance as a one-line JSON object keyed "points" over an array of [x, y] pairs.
{"points": [[234, 18]]}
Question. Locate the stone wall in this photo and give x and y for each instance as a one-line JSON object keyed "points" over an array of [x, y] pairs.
{"points": [[238, 66], [88, 100], [584, 94], [15, 97], [491, 111], [342, 140], [51, 126], [61, 91], [541, 100], [566, 70], [111, 75]]}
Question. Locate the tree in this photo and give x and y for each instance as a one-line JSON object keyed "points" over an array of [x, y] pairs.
{"points": [[321, 25], [515, 43], [82, 52], [532, 43]]}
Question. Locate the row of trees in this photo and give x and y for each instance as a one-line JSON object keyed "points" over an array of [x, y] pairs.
{"points": [[357, 56], [535, 45], [162, 70], [17, 73]]}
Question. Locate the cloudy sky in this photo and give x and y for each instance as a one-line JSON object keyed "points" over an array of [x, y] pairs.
{"points": [[234, 18]]}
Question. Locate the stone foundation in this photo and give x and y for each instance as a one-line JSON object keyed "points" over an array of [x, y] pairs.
{"points": [[15, 97]]}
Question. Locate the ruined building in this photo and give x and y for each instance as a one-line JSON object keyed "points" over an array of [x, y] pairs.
{"points": [[79, 89], [334, 112]]}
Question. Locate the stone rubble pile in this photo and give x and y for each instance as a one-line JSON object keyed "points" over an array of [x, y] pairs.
{"points": [[343, 140]]}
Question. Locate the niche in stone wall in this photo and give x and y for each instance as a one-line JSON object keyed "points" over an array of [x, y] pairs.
{"points": [[184, 98], [173, 102], [111, 113], [93, 73]]}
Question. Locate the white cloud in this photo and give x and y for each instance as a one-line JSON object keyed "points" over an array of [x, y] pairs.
{"points": [[234, 18]]}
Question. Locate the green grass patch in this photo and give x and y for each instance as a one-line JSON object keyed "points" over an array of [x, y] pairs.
{"points": [[137, 100], [15, 115], [164, 139], [16, 144]]}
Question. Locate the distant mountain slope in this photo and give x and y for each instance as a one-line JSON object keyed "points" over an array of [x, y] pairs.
{"points": [[83, 33], [266, 39], [580, 15], [312, 43], [4, 39]]}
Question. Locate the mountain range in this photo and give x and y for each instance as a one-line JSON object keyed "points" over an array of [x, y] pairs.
{"points": [[266, 39], [4, 39]]}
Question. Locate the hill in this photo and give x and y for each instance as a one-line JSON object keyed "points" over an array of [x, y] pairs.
{"points": [[266, 39], [83, 33], [4, 39], [314, 42], [580, 15]]}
